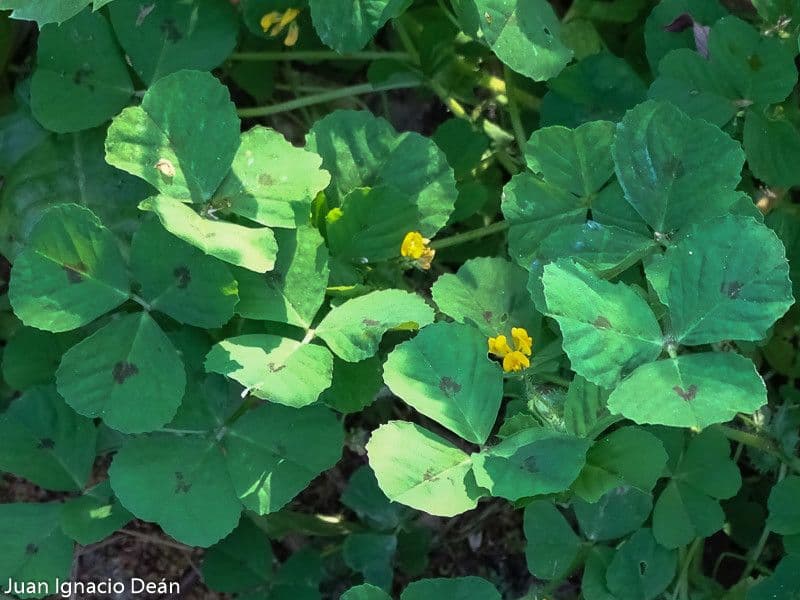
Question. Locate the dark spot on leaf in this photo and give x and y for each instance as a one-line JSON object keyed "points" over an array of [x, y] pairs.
{"points": [[547, 31], [642, 568], [274, 277], [370, 322], [31, 549], [680, 23], [732, 289], [123, 370], [181, 486], [273, 368], [171, 31], [688, 394], [755, 62], [429, 475], [75, 272], [182, 276], [602, 323], [530, 464], [449, 386], [487, 315], [265, 179], [46, 444], [81, 75]]}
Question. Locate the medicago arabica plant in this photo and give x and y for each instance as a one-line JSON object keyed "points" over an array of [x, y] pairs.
{"points": [[477, 299]]}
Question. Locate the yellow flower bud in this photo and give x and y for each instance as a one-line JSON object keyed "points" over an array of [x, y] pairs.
{"points": [[499, 346], [515, 361], [415, 247], [522, 341]]}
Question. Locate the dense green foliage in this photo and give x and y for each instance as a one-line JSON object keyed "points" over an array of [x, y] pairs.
{"points": [[275, 314]]}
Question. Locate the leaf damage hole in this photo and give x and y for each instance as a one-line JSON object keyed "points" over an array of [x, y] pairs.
{"points": [[487, 315], [123, 370], [183, 277], [449, 386], [687, 394]]}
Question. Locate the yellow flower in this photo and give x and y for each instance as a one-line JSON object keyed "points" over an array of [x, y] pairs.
{"points": [[499, 346], [522, 341], [515, 361], [415, 247], [275, 22]]}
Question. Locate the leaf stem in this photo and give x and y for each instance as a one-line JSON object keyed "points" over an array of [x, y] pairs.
{"points": [[762, 541], [514, 113], [468, 236], [141, 302], [318, 55], [322, 97], [759, 442]]}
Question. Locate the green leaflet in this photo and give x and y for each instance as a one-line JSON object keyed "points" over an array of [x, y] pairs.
{"points": [[32, 545], [361, 150], [253, 248], [355, 385], [372, 555], [294, 289], [32, 356], [48, 11], [524, 35], [179, 280], [693, 390], [70, 273], [608, 329], [165, 140], [772, 143], [44, 441], [784, 580], [445, 374], [617, 513], [551, 545], [240, 562], [640, 568], [529, 463], [271, 182], [665, 159], [128, 373], [572, 166], [93, 516], [659, 41], [688, 507], [349, 25], [422, 470], [354, 329], [170, 36], [488, 293], [469, 588], [784, 517], [81, 79], [274, 368], [365, 591], [728, 279], [363, 495]]}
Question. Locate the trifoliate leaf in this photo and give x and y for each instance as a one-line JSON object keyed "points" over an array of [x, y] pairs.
{"points": [[354, 329], [70, 272], [524, 35], [253, 248], [44, 441], [361, 150], [601, 86], [32, 546], [728, 279], [664, 159], [165, 37], [422, 470], [274, 452], [183, 137], [240, 562], [94, 516], [271, 182], [530, 462], [488, 293], [128, 373], [551, 544], [445, 374], [179, 280], [693, 390], [349, 26], [81, 79], [784, 512], [608, 329], [294, 289], [616, 513], [641, 569], [274, 368], [173, 480]]}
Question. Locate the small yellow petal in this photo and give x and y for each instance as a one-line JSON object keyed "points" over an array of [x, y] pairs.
{"points": [[269, 19], [499, 346], [522, 341], [292, 35], [289, 16], [413, 245], [515, 361]]}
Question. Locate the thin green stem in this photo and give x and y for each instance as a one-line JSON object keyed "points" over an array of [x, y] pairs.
{"points": [[183, 431], [762, 541], [468, 236], [682, 586], [289, 55], [760, 442], [514, 113], [322, 97]]}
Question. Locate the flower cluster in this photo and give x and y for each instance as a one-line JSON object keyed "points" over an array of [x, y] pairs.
{"points": [[274, 23], [416, 248], [516, 359]]}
